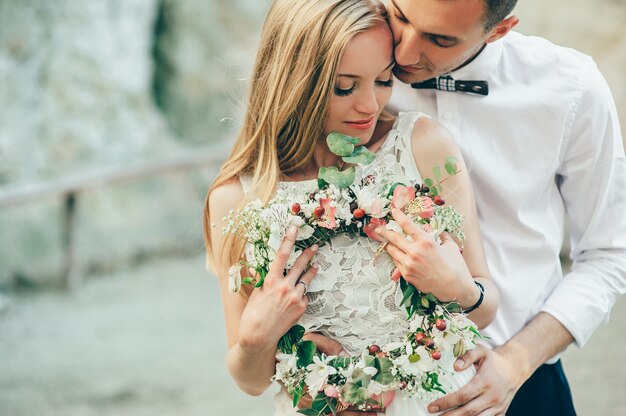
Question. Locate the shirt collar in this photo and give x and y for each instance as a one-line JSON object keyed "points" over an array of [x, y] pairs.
{"points": [[483, 65]]}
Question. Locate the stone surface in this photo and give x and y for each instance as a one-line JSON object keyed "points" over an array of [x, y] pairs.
{"points": [[150, 341]]}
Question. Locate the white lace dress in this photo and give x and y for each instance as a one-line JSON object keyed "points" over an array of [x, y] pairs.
{"points": [[352, 299]]}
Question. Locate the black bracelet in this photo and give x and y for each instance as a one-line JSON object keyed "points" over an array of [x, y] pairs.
{"points": [[480, 298]]}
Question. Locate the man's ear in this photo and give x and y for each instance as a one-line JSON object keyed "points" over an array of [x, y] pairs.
{"points": [[502, 28]]}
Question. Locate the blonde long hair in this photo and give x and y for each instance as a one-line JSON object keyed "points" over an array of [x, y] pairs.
{"points": [[287, 104]]}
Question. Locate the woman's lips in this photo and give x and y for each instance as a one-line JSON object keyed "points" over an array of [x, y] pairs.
{"points": [[361, 124]]}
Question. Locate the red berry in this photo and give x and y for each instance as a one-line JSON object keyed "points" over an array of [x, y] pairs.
{"points": [[373, 349], [295, 208], [441, 324], [436, 355], [319, 211], [439, 200], [419, 338], [359, 213], [429, 342]]}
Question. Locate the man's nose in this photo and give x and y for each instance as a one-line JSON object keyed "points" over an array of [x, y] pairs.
{"points": [[408, 49]]}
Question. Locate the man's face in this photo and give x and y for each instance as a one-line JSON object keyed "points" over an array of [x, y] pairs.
{"points": [[435, 37]]}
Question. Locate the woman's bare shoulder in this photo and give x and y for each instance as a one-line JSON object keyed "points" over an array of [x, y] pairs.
{"points": [[225, 197]]}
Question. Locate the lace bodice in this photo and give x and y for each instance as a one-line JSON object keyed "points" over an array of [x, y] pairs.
{"points": [[352, 299]]}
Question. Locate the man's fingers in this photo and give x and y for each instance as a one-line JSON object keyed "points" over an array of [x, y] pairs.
{"points": [[453, 400], [300, 264], [326, 345], [470, 358]]}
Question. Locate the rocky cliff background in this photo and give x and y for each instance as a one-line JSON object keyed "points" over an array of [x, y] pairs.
{"points": [[101, 84]]}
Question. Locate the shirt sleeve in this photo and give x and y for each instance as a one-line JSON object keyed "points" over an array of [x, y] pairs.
{"points": [[592, 182]]}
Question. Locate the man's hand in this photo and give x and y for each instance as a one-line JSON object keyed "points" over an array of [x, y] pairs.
{"points": [[326, 345], [491, 390]]}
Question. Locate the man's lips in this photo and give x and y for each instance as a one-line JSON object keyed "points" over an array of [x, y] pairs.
{"points": [[411, 69], [361, 124]]}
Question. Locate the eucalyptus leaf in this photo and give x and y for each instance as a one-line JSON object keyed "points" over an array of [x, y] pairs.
{"points": [[340, 144], [384, 366], [360, 156], [437, 173], [340, 178], [450, 165], [431, 184]]}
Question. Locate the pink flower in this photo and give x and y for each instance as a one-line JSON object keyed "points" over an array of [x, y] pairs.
{"points": [[426, 209], [372, 225], [385, 398], [331, 391], [328, 220], [402, 195]]}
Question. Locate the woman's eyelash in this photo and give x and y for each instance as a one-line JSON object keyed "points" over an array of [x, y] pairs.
{"points": [[388, 83], [343, 92]]}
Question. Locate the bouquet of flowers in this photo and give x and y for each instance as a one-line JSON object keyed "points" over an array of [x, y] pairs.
{"points": [[438, 332]]}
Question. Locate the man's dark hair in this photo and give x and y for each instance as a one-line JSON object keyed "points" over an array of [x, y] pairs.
{"points": [[497, 10]]}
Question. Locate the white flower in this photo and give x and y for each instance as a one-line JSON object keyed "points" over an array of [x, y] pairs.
{"points": [[319, 370], [286, 364], [376, 388], [416, 362], [292, 258], [370, 371], [368, 198], [234, 277], [394, 226]]}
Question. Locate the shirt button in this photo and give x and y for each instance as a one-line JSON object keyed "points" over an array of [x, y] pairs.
{"points": [[447, 115]]}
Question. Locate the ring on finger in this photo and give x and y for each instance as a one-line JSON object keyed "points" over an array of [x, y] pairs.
{"points": [[303, 283]]}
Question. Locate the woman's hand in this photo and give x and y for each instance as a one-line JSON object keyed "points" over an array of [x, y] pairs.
{"points": [[276, 306], [434, 268]]}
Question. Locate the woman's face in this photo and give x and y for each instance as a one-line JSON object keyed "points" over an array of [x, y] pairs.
{"points": [[363, 84]]}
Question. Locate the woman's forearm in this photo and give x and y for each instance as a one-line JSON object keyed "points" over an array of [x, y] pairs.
{"points": [[483, 315], [251, 367]]}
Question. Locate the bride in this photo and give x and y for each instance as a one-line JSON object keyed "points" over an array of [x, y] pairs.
{"points": [[326, 66]]}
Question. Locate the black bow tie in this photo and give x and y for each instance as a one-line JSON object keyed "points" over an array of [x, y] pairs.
{"points": [[447, 83]]}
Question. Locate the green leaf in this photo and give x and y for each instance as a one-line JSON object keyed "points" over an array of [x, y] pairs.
{"points": [[450, 165], [321, 183], [453, 307], [298, 392], [306, 352], [290, 339], [408, 292], [339, 178], [424, 301], [437, 173], [383, 365], [360, 156], [431, 184], [340, 362], [340, 144]]}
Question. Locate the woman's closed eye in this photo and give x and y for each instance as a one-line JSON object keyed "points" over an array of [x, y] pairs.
{"points": [[388, 83], [342, 92]]}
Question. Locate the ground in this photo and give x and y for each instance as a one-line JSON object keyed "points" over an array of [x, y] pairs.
{"points": [[150, 341]]}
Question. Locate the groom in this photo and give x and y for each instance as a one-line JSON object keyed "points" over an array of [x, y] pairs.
{"points": [[539, 133]]}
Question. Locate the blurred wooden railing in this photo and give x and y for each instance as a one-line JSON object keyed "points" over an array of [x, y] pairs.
{"points": [[70, 187]]}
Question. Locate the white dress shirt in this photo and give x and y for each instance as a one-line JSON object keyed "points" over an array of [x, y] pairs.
{"points": [[545, 143]]}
